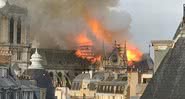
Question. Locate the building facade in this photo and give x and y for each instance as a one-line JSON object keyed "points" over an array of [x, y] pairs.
{"points": [[108, 83], [13, 88], [14, 34]]}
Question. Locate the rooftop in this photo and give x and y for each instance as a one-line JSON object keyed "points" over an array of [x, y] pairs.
{"points": [[168, 81]]}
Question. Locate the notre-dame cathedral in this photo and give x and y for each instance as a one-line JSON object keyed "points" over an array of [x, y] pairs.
{"points": [[14, 35], [15, 44]]}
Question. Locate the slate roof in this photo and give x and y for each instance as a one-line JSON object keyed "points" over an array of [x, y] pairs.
{"points": [[169, 80], [43, 80], [178, 30], [100, 79]]}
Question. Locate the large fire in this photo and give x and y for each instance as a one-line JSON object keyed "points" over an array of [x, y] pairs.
{"points": [[85, 43], [85, 50]]}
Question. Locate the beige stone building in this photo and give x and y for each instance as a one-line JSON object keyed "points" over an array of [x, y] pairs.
{"points": [[138, 82], [84, 85], [62, 93]]}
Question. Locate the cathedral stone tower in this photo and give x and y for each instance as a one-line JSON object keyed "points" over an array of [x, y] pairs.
{"points": [[14, 34]]}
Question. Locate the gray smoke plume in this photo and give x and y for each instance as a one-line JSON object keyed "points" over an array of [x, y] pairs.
{"points": [[56, 23]]}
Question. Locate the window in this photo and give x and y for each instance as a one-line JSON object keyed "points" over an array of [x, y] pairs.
{"points": [[74, 86], [122, 88], [11, 30], [11, 95], [18, 55], [3, 95], [77, 86], [19, 31], [103, 88], [146, 80], [124, 79], [112, 89], [107, 89]]}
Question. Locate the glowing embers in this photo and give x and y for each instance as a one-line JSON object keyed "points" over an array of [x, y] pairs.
{"points": [[85, 48], [85, 52]]}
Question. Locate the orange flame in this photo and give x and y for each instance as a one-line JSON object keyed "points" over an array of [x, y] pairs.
{"points": [[99, 31], [85, 50], [82, 39], [133, 54], [101, 34]]}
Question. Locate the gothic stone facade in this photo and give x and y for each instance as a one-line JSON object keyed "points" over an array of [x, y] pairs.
{"points": [[14, 34]]}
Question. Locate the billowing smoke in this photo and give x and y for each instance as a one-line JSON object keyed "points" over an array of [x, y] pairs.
{"points": [[2, 3], [57, 23]]}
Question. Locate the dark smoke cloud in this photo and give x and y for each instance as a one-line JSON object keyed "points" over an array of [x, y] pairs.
{"points": [[55, 23]]}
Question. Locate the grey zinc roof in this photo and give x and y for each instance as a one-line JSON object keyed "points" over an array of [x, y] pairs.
{"points": [[169, 80], [81, 77], [7, 82], [96, 76]]}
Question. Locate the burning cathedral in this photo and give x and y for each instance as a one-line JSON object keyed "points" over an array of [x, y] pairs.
{"points": [[86, 74], [15, 42]]}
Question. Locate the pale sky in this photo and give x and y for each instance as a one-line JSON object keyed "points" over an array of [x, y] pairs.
{"points": [[153, 19]]}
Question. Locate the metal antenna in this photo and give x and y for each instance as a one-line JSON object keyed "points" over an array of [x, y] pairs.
{"points": [[184, 13], [184, 10], [149, 49]]}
